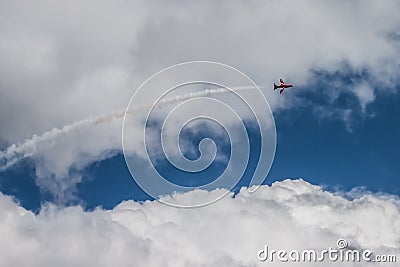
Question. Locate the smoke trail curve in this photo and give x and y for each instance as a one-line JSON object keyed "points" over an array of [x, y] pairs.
{"points": [[38, 143]]}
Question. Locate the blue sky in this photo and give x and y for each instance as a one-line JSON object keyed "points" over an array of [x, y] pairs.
{"points": [[336, 154]]}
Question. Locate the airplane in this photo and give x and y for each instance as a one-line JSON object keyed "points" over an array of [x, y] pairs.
{"points": [[283, 85]]}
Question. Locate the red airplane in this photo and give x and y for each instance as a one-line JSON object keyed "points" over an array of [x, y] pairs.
{"points": [[283, 85]]}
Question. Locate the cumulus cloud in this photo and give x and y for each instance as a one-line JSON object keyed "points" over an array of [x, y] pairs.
{"points": [[292, 214], [66, 61]]}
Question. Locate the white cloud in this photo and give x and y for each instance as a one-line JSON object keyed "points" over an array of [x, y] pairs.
{"points": [[365, 94], [292, 214], [66, 61]]}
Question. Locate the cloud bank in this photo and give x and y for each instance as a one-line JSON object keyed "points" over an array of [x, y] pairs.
{"points": [[292, 214]]}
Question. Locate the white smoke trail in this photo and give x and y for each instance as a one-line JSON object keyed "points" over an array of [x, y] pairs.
{"points": [[39, 143]]}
